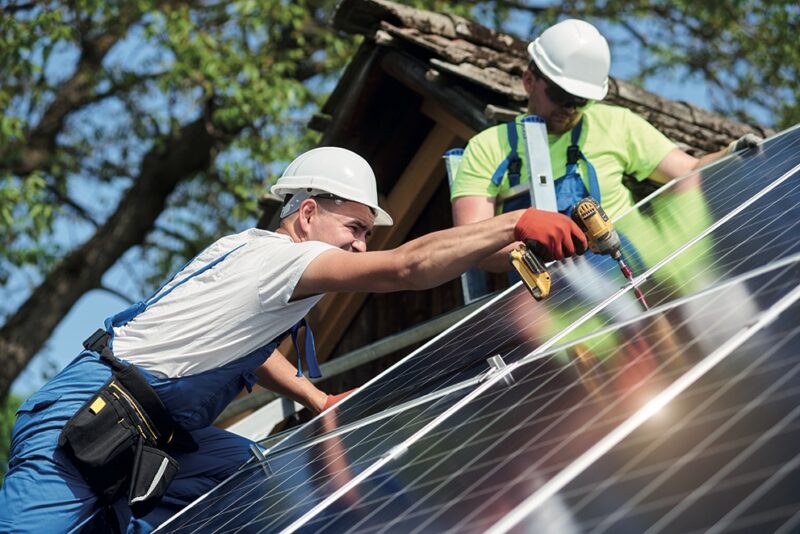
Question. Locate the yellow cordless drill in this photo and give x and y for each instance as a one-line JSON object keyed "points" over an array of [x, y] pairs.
{"points": [[602, 238]]}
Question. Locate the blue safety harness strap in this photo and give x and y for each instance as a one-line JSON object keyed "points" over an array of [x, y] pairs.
{"points": [[125, 316], [574, 154], [512, 163], [570, 188], [310, 351]]}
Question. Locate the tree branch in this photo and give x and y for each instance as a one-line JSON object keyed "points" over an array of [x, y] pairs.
{"points": [[179, 237], [19, 7], [35, 152], [77, 208]]}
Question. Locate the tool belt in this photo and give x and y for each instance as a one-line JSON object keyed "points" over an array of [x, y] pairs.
{"points": [[121, 436]]}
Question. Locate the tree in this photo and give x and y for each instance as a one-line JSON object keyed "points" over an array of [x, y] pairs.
{"points": [[150, 126]]}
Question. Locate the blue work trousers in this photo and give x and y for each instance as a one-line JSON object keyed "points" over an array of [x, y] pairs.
{"points": [[44, 492]]}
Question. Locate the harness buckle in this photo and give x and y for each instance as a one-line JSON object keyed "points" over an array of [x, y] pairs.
{"points": [[514, 168], [97, 341], [573, 154]]}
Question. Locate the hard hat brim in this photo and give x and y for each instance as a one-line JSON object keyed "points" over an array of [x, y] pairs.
{"points": [[581, 89]]}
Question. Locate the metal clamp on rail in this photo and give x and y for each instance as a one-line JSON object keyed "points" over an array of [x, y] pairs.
{"points": [[395, 452], [255, 450], [497, 364]]}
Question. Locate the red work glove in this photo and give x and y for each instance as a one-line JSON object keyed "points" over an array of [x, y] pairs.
{"points": [[558, 236], [333, 399]]}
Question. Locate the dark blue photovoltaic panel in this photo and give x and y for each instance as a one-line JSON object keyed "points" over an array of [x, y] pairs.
{"points": [[499, 449], [722, 457], [514, 326], [273, 494], [667, 222]]}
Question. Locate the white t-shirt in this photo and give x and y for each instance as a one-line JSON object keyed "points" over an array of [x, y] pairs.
{"points": [[238, 305]]}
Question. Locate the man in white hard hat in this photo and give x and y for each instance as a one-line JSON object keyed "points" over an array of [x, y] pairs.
{"points": [[128, 424], [592, 146]]}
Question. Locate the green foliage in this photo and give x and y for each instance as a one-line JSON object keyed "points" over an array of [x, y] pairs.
{"points": [[146, 68], [8, 409]]}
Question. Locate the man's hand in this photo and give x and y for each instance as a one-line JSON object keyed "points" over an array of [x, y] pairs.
{"points": [[555, 232], [744, 142], [333, 399]]}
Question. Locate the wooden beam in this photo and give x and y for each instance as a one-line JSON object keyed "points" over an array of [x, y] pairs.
{"points": [[405, 203], [416, 74], [441, 116]]}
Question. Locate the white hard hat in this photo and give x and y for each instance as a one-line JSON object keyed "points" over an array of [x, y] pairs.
{"points": [[333, 170], [573, 55]]}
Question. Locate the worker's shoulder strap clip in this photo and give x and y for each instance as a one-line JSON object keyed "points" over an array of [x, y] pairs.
{"points": [[97, 341], [573, 154]]}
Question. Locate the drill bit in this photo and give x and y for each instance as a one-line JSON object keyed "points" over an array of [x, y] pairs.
{"points": [[628, 273]]}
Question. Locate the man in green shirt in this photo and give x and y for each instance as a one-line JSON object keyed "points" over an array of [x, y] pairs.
{"points": [[567, 75]]}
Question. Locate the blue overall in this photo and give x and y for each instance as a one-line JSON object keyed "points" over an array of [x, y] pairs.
{"points": [[569, 187], [43, 490]]}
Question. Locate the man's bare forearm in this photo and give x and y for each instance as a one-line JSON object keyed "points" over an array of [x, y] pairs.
{"points": [[278, 375]]}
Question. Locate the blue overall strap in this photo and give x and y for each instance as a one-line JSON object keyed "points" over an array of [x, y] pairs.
{"points": [[512, 163], [574, 154], [125, 316], [310, 351]]}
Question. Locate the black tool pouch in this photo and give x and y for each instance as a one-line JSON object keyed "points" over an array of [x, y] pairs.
{"points": [[121, 435], [101, 438]]}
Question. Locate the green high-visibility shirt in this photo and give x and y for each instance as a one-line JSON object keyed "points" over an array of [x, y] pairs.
{"points": [[615, 140]]}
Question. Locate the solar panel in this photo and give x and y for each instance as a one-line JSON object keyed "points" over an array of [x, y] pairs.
{"points": [[512, 441], [408, 450], [722, 457], [299, 478]]}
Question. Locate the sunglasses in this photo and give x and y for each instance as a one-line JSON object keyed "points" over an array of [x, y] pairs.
{"points": [[557, 95]]}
